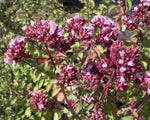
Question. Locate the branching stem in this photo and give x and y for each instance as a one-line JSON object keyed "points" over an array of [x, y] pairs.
{"points": [[143, 103], [70, 107]]}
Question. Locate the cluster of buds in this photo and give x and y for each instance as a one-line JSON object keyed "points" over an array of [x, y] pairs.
{"points": [[40, 101], [48, 32], [91, 76], [143, 80], [42, 30], [140, 12], [108, 31], [120, 65], [96, 114], [129, 24], [67, 75], [88, 99], [15, 50], [78, 32]]}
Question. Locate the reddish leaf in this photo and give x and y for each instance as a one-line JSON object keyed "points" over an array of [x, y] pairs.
{"points": [[60, 97], [35, 88], [59, 55], [27, 89], [42, 60], [54, 86]]}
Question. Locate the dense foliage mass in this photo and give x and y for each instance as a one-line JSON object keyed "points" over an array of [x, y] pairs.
{"points": [[79, 69]]}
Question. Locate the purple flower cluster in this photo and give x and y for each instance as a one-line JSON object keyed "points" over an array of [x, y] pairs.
{"points": [[118, 67], [97, 114], [42, 30], [48, 32], [108, 31], [88, 99], [78, 32], [129, 24], [143, 80], [125, 63], [40, 101], [67, 75], [91, 76], [15, 50], [140, 12]]}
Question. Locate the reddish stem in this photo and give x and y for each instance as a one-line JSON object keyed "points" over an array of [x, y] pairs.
{"points": [[50, 57], [70, 107], [27, 63], [143, 103]]}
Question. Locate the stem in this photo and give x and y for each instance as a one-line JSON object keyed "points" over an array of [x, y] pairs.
{"points": [[97, 54], [143, 103], [50, 56], [70, 107], [87, 5], [27, 63]]}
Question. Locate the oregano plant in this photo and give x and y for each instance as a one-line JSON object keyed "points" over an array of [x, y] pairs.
{"points": [[84, 70]]}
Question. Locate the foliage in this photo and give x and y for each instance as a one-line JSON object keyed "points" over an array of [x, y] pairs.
{"points": [[61, 66]]}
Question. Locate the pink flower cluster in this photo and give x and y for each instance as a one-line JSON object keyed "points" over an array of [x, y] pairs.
{"points": [[143, 80], [67, 75], [118, 67], [129, 24], [121, 65], [97, 114], [78, 32], [91, 76], [52, 36], [88, 99], [15, 50], [140, 12], [42, 30], [48, 32], [108, 31], [40, 101]]}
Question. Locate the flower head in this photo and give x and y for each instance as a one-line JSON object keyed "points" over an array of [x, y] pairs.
{"points": [[40, 101], [67, 75], [15, 50]]}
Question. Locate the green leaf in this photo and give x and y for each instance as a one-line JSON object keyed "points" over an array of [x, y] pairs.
{"points": [[92, 2], [48, 87], [28, 112], [1, 53], [145, 64], [127, 118], [135, 114], [90, 106], [134, 36], [129, 4], [112, 8], [40, 83], [49, 115], [57, 115], [13, 100], [55, 91], [65, 110]]}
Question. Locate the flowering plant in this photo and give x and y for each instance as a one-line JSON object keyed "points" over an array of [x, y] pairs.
{"points": [[83, 68]]}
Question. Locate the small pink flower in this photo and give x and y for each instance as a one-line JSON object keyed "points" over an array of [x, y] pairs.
{"points": [[130, 63], [40, 101], [122, 80], [123, 69], [104, 65], [58, 70], [148, 91], [121, 61], [88, 99]]}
